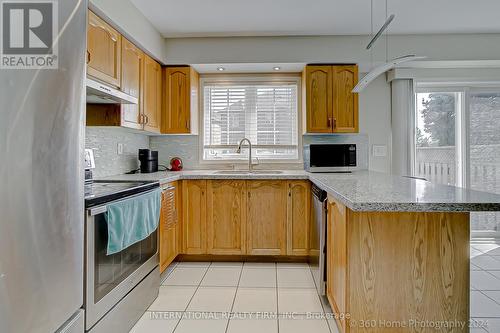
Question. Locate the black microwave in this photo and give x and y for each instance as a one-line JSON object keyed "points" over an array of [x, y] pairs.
{"points": [[331, 158]]}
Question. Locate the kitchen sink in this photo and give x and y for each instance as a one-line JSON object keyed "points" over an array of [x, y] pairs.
{"points": [[244, 172]]}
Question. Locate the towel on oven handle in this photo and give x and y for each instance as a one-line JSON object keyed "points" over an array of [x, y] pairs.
{"points": [[132, 220]]}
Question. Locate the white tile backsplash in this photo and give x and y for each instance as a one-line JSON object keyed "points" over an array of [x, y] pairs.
{"points": [[104, 142]]}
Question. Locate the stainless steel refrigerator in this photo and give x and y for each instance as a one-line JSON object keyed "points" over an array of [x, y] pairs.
{"points": [[42, 115]]}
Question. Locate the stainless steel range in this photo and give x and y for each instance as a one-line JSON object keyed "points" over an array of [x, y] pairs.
{"points": [[121, 286]]}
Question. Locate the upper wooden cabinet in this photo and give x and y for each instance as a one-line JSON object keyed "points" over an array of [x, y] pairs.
{"points": [[298, 217], [194, 205], [345, 102], [132, 83], [103, 51], [226, 217], [266, 217], [152, 95], [330, 105], [319, 110], [180, 100], [114, 60]]}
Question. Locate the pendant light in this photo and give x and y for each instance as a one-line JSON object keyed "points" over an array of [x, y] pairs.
{"points": [[389, 64]]}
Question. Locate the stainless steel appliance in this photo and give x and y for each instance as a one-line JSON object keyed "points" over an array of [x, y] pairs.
{"points": [[41, 191], [149, 160], [318, 238], [331, 157], [121, 286], [99, 93]]}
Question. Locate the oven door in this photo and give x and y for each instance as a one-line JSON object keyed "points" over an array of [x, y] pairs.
{"points": [[110, 278]]}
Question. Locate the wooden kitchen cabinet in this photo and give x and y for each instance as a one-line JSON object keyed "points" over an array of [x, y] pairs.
{"points": [[194, 213], [180, 100], [266, 217], [336, 285], [319, 107], [345, 102], [152, 95], [132, 83], [330, 105], [298, 217], [169, 224], [226, 217], [103, 51]]}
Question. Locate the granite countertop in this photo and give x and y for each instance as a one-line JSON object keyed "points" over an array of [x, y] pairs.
{"points": [[362, 190]]}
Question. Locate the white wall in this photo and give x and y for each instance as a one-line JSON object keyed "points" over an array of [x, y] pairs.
{"points": [[348, 49], [123, 15], [375, 121]]}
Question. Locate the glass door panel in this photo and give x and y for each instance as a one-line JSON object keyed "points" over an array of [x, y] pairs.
{"points": [[484, 155], [435, 151]]}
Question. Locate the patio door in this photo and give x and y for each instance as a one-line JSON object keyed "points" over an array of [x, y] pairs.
{"points": [[457, 142]]}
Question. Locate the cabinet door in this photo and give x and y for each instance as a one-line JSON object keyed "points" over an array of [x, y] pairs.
{"points": [[298, 215], [337, 258], [345, 105], [103, 51], [226, 210], [266, 216], [319, 99], [177, 102], [194, 216], [131, 83], [152, 95], [168, 227]]}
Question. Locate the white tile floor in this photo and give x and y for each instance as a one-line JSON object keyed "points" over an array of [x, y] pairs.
{"points": [[235, 297], [485, 287]]}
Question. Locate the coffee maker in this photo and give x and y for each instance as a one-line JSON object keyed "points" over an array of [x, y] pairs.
{"points": [[149, 160]]}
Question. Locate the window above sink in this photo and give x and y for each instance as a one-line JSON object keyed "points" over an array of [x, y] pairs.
{"points": [[263, 108]]}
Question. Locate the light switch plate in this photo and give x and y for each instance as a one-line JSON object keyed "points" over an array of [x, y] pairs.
{"points": [[379, 150], [120, 149]]}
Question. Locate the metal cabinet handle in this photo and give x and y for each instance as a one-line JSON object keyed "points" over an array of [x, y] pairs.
{"points": [[88, 56], [334, 122], [329, 122], [147, 119]]}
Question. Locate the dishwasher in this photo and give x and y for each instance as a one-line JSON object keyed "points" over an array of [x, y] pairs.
{"points": [[318, 238]]}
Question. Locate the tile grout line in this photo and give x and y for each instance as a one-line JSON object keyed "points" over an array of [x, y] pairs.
{"points": [[234, 299], [481, 291], [191, 299], [277, 298]]}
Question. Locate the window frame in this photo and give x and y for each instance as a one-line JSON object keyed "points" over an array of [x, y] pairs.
{"points": [[205, 79], [462, 133]]}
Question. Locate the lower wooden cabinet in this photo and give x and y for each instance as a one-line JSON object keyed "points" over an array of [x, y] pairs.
{"points": [[252, 217], [298, 217], [226, 217], [194, 210], [336, 286], [266, 215], [169, 224]]}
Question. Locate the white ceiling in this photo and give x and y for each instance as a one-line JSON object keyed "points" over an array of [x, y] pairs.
{"points": [[204, 18]]}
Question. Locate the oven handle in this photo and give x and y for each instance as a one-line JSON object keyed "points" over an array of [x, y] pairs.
{"points": [[98, 210], [102, 209]]}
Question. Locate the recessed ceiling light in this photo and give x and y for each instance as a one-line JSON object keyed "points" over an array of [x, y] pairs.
{"points": [[221, 69], [277, 68]]}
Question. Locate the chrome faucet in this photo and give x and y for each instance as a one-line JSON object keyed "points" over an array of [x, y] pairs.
{"points": [[249, 152]]}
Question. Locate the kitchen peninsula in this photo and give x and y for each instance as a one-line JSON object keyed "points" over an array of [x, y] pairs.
{"points": [[398, 248]]}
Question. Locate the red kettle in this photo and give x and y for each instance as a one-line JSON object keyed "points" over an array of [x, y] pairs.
{"points": [[175, 164]]}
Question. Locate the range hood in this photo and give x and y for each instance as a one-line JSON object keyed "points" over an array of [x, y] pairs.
{"points": [[98, 93]]}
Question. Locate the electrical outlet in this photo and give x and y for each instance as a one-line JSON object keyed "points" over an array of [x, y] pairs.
{"points": [[120, 149], [379, 150]]}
